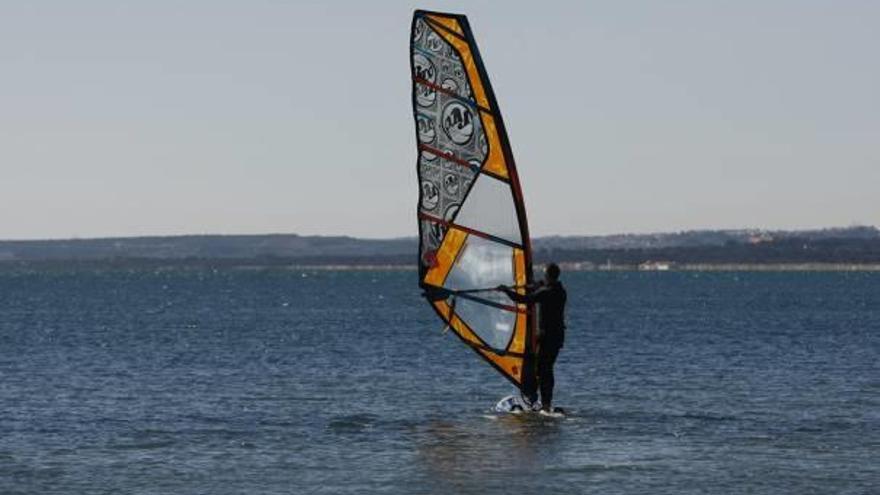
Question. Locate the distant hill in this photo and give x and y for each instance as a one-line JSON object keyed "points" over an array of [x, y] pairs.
{"points": [[849, 245], [699, 238], [205, 247], [838, 245]]}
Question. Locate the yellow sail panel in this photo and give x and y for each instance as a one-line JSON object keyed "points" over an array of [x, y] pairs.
{"points": [[445, 257], [519, 269], [467, 59], [495, 159], [518, 343], [509, 364], [447, 22]]}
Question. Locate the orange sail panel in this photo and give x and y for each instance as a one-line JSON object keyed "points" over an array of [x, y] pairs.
{"points": [[473, 234]]}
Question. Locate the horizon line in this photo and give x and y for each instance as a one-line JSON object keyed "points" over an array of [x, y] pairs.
{"points": [[394, 238]]}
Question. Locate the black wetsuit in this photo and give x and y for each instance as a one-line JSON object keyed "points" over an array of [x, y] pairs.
{"points": [[551, 324]]}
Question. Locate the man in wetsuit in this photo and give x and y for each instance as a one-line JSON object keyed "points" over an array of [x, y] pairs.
{"points": [[551, 296]]}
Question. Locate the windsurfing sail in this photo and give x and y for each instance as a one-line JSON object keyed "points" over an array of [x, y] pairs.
{"points": [[473, 234]]}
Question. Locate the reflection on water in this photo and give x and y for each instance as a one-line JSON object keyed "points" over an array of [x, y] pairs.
{"points": [[486, 452]]}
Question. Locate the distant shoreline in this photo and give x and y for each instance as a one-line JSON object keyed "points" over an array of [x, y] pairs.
{"points": [[214, 264], [833, 249], [690, 267]]}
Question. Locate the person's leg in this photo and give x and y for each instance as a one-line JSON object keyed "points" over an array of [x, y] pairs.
{"points": [[530, 380], [546, 360]]}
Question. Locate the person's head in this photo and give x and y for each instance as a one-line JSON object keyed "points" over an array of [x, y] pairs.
{"points": [[551, 273]]}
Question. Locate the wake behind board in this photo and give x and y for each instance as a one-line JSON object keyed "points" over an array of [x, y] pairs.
{"points": [[513, 404]]}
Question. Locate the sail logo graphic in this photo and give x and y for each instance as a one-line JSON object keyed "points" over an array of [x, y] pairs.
{"points": [[418, 30], [450, 184], [424, 69], [458, 123], [427, 134], [451, 85], [430, 195], [458, 72], [450, 213], [427, 156], [433, 42], [435, 233]]}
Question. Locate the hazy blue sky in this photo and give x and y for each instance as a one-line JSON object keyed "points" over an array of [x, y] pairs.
{"points": [[167, 117]]}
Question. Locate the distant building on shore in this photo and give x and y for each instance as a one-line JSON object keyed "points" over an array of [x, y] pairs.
{"points": [[760, 238], [577, 266], [655, 266]]}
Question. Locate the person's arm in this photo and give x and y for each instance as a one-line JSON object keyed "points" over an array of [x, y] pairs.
{"points": [[527, 298], [514, 295]]}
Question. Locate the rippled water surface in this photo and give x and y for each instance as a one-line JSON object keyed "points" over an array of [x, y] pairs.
{"points": [[281, 381]]}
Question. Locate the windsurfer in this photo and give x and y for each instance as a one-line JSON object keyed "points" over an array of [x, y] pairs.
{"points": [[551, 296]]}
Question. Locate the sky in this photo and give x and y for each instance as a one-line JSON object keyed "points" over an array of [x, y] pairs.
{"points": [[129, 118]]}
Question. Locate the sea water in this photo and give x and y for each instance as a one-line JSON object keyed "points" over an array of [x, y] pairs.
{"points": [[289, 381]]}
